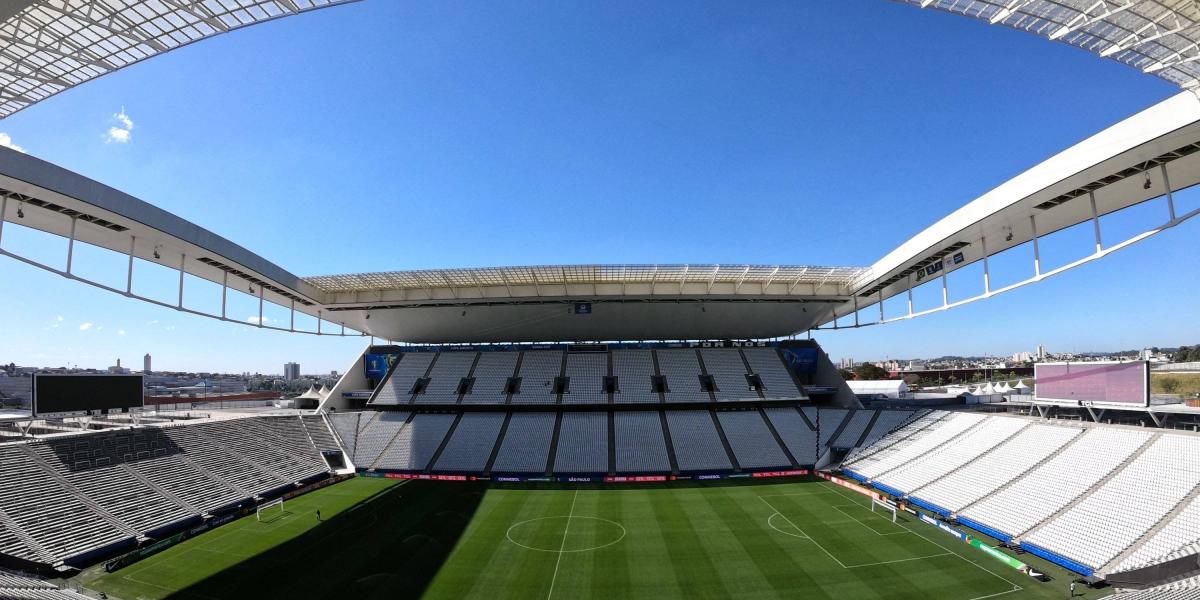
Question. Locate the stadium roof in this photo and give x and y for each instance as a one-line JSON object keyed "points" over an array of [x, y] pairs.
{"points": [[1157, 37], [48, 46], [551, 276]]}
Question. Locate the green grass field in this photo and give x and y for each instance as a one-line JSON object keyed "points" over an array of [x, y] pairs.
{"points": [[793, 539]]}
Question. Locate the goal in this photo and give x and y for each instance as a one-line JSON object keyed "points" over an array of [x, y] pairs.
{"points": [[270, 511], [884, 506]]}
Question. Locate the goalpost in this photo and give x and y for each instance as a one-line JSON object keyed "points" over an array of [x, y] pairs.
{"points": [[885, 506], [265, 509]]}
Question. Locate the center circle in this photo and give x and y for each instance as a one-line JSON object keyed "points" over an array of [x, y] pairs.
{"points": [[565, 534]]}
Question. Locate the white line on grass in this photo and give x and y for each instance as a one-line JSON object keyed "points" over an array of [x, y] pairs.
{"points": [[864, 523], [1016, 588], [789, 522], [899, 560], [563, 546]]}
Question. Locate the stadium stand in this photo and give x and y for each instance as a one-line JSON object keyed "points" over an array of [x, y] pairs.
{"points": [[491, 374], [23, 587], [777, 380], [586, 372], [728, 372], [681, 368], [1182, 590], [751, 441], [470, 446], [398, 387], [1177, 535], [854, 429], [69, 498], [697, 444], [1094, 531], [992, 471], [827, 421], [346, 426], [799, 438], [446, 376], [526, 445], [640, 447], [943, 459], [634, 370], [414, 445], [1055, 483], [888, 421], [375, 434], [582, 443], [539, 368], [920, 443]]}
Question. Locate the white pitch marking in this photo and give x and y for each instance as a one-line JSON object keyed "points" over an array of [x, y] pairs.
{"points": [[789, 522], [563, 546], [1016, 588]]}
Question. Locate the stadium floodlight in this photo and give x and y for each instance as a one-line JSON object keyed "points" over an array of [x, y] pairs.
{"points": [[21, 210], [265, 509], [1146, 185]]}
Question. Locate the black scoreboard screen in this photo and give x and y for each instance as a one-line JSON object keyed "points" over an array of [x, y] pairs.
{"points": [[67, 394]]}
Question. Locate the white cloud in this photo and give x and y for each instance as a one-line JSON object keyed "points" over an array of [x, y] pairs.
{"points": [[57, 321], [122, 132], [100, 328], [120, 332], [254, 319], [6, 141], [154, 322], [85, 326]]}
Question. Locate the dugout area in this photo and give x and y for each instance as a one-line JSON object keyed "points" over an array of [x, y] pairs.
{"points": [[386, 538]]}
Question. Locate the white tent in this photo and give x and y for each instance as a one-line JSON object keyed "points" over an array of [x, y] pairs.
{"points": [[988, 389], [1020, 385], [1004, 389]]}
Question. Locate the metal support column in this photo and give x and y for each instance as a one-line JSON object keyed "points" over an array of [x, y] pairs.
{"points": [[71, 244], [129, 269], [1037, 254], [3, 211], [880, 300], [910, 310], [945, 290], [260, 305], [1170, 196], [318, 322], [1096, 221], [292, 327], [987, 273], [855, 310], [182, 264], [224, 291]]}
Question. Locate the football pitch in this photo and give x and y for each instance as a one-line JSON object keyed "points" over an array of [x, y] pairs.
{"points": [[383, 539]]}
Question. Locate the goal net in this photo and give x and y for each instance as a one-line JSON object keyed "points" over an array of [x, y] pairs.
{"points": [[270, 511], [884, 506]]}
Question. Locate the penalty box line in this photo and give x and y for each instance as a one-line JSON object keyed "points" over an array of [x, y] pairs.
{"points": [[1016, 587], [868, 526], [830, 554]]}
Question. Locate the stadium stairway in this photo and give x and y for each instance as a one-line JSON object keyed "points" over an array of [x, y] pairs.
{"points": [[778, 439], [215, 477], [1111, 566], [724, 440]]}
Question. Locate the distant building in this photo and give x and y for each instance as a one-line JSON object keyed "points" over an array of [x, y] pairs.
{"points": [[291, 371], [846, 363], [118, 370], [333, 374], [146, 365], [1022, 357], [1041, 353]]}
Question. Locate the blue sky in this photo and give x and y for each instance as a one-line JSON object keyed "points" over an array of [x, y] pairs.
{"points": [[388, 135]]}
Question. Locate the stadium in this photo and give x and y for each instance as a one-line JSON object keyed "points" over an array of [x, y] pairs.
{"points": [[604, 430]]}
